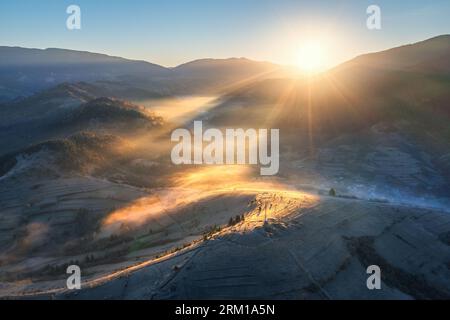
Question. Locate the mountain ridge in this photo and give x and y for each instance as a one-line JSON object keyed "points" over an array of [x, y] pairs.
{"points": [[24, 71], [429, 55]]}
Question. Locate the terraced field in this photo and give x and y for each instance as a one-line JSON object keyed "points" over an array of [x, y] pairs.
{"points": [[309, 247]]}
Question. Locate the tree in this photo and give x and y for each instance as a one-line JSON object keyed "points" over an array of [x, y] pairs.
{"points": [[332, 193]]}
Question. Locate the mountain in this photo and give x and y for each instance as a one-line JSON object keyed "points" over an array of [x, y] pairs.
{"points": [[395, 84], [66, 96], [46, 103], [21, 57], [26, 71], [110, 112], [219, 75], [79, 153], [66, 110], [379, 121], [431, 56], [232, 68]]}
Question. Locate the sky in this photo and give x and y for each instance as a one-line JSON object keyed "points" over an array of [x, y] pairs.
{"points": [[172, 32]]}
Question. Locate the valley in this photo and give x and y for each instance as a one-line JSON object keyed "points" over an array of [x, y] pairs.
{"points": [[86, 178]]}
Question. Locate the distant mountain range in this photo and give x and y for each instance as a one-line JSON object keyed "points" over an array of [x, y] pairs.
{"points": [[26, 71], [410, 83]]}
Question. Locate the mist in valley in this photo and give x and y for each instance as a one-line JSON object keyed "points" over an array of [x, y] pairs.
{"points": [[87, 179]]}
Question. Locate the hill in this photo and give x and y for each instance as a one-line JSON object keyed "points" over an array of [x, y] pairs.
{"points": [[26, 71]]}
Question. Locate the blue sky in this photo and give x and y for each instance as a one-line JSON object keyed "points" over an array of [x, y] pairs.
{"points": [[171, 32]]}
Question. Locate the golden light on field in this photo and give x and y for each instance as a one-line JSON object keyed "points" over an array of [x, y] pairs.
{"points": [[193, 186]]}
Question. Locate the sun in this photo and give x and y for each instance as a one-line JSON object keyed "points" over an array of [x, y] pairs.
{"points": [[311, 57]]}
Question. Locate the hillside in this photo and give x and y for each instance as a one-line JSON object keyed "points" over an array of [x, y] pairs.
{"points": [[66, 110], [26, 71], [366, 128], [384, 86], [430, 56]]}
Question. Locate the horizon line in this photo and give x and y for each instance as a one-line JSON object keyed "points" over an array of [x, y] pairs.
{"points": [[211, 58]]}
